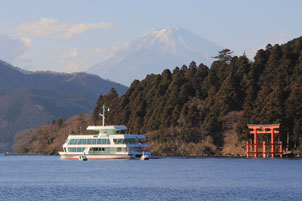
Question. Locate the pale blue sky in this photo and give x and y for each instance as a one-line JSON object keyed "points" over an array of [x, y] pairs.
{"points": [[239, 25]]}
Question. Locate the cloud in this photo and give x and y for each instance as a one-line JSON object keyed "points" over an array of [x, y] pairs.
{"points": [[11, 48], [99, 51], [53, 28], [70, 60], [73, 53], [72, 66], [24, 58], [81, 28], [26, 41], [281, 38], [115, 48], [125, 46], [251, 52]]}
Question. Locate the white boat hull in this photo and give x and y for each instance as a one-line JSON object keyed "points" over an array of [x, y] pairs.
{"points": [[65, 156]]}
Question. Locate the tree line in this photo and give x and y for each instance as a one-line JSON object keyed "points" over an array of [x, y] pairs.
{"points": [[192, 104]]}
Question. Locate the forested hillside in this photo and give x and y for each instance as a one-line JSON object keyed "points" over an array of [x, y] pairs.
{"points": [[196, 105], [48, 139], [196, 110], [29, 99]]}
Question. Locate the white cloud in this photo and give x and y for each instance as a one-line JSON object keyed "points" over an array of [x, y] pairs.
{"points": [[99, 51], [250, 53], [81, 28], [115, 48], [281, 38], [22, 58], [73, 53], [53, 28], [72, 66], [26, 41], [11, 48], [70, 60], [124, 47]]}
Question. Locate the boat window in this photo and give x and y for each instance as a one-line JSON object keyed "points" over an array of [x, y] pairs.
{"points": [[76, 149], [110, 149], [80, 149], [71, 141], [124, 141], [118, 141], [97, 149], [89, 141], [103, 141]]}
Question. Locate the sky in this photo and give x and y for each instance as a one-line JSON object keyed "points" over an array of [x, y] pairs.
{"points": [[73, 35]]}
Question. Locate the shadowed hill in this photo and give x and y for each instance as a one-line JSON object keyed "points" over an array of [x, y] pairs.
{"points": [[29, 99]]}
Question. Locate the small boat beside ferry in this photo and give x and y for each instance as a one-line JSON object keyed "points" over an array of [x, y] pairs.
{"points": [[108, 143], [83, 158], [144, 157]]}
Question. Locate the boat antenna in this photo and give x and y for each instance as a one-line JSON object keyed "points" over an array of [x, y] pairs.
{"points": [[103, 115]]}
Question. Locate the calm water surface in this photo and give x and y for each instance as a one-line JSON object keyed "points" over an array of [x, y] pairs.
{"points": [[48, 178]]}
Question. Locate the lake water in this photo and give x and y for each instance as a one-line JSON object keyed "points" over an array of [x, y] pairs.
{"points": [[48, 178]]}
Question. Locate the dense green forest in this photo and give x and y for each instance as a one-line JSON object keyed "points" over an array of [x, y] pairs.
{"points": [[195, 104], [197, 110]]}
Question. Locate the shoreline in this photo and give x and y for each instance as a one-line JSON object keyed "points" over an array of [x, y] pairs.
{"points": [[159, 157], [22, 154]]}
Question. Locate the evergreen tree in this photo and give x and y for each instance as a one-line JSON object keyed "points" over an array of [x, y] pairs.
{"points": [[224, 56]]}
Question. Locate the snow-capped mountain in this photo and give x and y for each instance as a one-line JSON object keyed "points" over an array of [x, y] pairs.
{"points": [[155, 51]]}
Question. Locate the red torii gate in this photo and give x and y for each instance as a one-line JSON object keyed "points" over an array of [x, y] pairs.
{"points": [[257, 129]]}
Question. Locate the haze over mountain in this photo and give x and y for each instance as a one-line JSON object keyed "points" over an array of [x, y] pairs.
{"points": [[154, 51], [29, 99]]}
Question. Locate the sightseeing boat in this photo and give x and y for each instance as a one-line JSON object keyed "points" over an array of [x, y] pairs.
{"points": [[108, 143]]}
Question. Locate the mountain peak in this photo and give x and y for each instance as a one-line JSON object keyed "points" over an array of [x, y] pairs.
{"points": [[155, 51], [160, 32], [166, 30]]}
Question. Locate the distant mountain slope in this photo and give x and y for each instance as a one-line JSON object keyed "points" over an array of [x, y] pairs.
{"points": [[155, 51], [29, 99]]}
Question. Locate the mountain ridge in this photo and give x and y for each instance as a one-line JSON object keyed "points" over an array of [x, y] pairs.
{"points": [[29, 99]]}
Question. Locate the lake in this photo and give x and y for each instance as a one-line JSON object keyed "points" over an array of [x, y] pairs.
{"points": [[49, 178]]}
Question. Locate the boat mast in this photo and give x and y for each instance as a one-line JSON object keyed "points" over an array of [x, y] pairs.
{"points": [[103, 115]]}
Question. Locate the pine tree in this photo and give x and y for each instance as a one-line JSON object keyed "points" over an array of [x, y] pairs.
{"points": [[224, 56]]}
